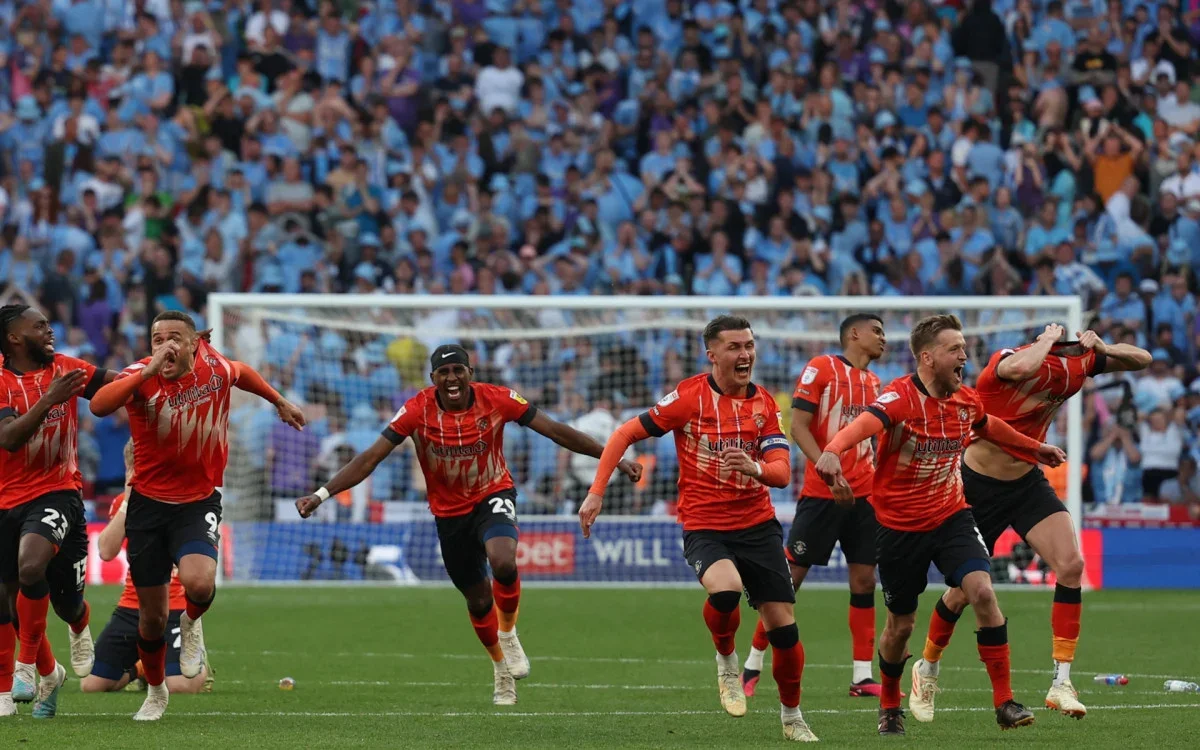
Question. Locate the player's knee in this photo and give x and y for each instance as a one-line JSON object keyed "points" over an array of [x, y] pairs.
{"points": [[725, 601], [31, 574], [199, 587], [983, 598], [94, 684], [862, 583], [186, 684], [68, 608], [1070, 571], [504, 569], [898, 629], [784, 637], [152, 625], [955, 600]]}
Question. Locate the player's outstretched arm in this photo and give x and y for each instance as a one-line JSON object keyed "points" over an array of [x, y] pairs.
{"points": [[16, 429], [1025, 364], [829, 465], [1017, 445], [626, 435], [1117, 357], [250, 381], [347, 477], [575, 441], [117, 393]]}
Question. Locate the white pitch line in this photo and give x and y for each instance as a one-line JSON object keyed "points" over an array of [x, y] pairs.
{"points": [[624, 660]]}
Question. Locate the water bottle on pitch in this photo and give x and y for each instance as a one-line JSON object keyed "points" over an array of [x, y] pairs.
{"points": [[1181, 686], [1111, 679]]}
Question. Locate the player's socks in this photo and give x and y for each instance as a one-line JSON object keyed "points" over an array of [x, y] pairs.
{"points": [[722, 616], [486, 631], [890, 674], [153, 653], [83, 621], [760, 642], [195, 609], [862, 635], [1064, 623], [941, 627], [45, 657], [994, 653], [787, 663], [507, 595], [33, 603]]}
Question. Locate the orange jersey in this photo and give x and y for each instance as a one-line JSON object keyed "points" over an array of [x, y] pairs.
{"points": [[1031, 405], [706, 421], [129, 597], [180, 428], [835, 392], [461, 452], [918, 482], [49, 460]]}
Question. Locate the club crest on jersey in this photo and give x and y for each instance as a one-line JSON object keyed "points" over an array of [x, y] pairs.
{"points": [[517, 397], [798, 548], [808, 376], [759, 421], [887, 398], [963, 414], [211, 361], [483, 423]]}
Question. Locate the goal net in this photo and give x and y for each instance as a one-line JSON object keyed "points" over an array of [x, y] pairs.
{"points": [[351, 361]]}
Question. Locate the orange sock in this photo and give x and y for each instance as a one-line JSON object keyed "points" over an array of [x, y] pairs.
{"points": [[787, 663], [890, 674], [862, 626], [1064, 622], [722, 616], [760, 641], [153, 654], [485, 630], [994, 653], [8, 648], [508, 603], [33, 603], [941, 627], [78, 626], [45, 657]]}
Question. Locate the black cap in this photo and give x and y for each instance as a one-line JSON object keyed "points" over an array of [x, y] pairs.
{"points": [[449, 354]]}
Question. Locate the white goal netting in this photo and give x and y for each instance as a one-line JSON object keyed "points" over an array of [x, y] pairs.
{"points": [[351, 361]]}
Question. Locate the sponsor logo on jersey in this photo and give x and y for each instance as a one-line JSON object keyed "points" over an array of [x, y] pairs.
{"points": [[478, 448], [808, 376], [716, 446], [938, 446], [196, 393]]}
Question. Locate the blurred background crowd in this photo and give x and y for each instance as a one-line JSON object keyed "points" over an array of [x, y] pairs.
{"points": [[155, 151]]}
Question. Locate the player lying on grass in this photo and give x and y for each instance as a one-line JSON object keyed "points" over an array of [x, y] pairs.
{"points": [[116, 650], [830, 392], [922, 421], [178, 405], [457, 428], [43, 530], [1025, 387], [731, 448]]}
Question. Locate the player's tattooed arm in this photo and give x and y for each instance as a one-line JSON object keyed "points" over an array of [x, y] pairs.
{"points": [[349, 476], [16, 429], [1117, 357], [1024, 364], [575, 441]]}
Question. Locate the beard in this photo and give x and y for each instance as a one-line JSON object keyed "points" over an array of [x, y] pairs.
{"points": [[37, 353]]}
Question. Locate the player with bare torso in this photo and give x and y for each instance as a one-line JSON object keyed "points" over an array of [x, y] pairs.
{"points": [[1026, 387]]}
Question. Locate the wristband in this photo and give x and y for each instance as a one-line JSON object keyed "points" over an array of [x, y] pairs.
{"points": [[322, 494], [758, 469]]}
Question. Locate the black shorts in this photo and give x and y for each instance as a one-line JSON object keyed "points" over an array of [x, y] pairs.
{"points": [[820, 523], [955, 547], [160, 534], [462, 538], [57, 517], [116, 648], [757, 552], [1021, 503]]}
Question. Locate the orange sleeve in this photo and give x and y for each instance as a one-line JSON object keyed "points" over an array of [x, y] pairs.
{"points": [[777, 472], [251, 382], [114, 395], [864, 426], [1010, 441], [614, 450]]}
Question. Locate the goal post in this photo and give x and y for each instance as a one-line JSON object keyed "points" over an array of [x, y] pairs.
{"points": [[351, 360]]}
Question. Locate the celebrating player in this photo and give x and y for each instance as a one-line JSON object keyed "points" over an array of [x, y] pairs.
{"points": [[731, 449], [831, 391], [178, 404], [1026, 387], [116, 650], [43, 532], [457, 427], [923, 517]]}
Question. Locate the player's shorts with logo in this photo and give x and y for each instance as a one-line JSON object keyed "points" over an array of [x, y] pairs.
{"points": [[59, 518], [463, 537], [757, 552], [116, 648], [820, 523], [160, 534], [1021, 503], [955, 547]]}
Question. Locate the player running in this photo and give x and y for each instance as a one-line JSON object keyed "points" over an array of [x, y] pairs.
{"points": [[731, 449], [457, 426], [178, 404], [831, 391], [43, 531], [116, 650], [925, 419], [1026, 387]]}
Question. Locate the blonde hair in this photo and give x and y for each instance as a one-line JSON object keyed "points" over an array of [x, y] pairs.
{"points": [[927, 329]]}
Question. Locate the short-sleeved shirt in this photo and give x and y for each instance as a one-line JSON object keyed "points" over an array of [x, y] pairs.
{"points": [[918, 478], [129, 597], [1030, 406], [835, 392], [705, 422], [180, 428], [461, 452], [49, 460]]}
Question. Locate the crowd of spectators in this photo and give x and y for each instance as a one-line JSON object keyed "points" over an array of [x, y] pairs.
{"points": [[155, 151]]}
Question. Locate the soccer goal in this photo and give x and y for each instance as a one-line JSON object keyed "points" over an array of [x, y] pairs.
{"points": [[352, 360]]}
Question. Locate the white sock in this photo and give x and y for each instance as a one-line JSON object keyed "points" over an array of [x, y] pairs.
{"points": [[930, 668], [787, 713], [1062, 672], [159, 689], [862, 671], [727, 663], [499, 666], [507, 632], [754, 661]]}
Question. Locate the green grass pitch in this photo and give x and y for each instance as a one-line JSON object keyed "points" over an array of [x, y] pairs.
{"points": [[400, 667]]}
